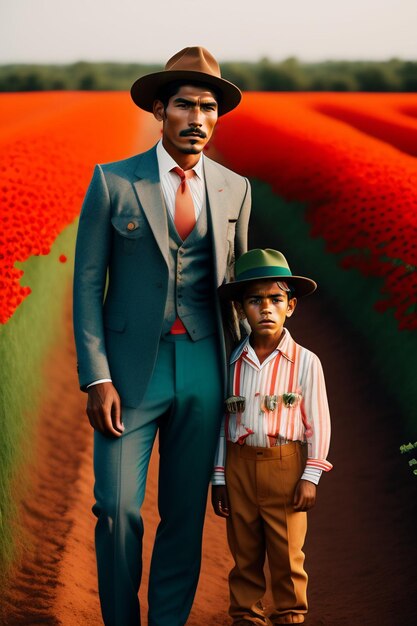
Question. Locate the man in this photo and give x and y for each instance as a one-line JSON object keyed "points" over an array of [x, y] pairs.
{"points": [[158, 234]]}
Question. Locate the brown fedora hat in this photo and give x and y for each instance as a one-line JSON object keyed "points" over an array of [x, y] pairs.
{"points": [[195, 64]]}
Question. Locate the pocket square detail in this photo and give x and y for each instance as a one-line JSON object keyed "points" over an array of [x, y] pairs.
{"points": [[291, 399], [235, 404], [271, 403]]}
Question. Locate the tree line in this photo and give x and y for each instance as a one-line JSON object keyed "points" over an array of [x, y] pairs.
{"points": [[263, 75]]}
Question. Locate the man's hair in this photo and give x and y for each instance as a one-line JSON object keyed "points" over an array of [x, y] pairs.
{"points": [[166, 92]]}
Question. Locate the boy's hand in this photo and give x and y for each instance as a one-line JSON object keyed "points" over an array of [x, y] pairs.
{"points": [[305, 495], [220, 500]]}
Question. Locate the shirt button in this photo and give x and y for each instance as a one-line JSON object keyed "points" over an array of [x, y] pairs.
{"points": [[131, 226]]}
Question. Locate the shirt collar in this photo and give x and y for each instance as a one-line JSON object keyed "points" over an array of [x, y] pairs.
{"points": [[285, 346], [166, 162]]}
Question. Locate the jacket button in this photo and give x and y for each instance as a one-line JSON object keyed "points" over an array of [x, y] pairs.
{"points": [[131, 226]]}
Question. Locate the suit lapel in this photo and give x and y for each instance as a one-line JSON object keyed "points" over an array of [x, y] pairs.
{"points": [[149, 193], [218, 196]]}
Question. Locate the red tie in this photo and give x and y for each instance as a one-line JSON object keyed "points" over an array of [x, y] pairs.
{"points": [[184, 206], [184, 220]]}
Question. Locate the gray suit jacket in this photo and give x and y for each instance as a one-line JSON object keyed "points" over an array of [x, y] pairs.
{"points": [[121, 272]]}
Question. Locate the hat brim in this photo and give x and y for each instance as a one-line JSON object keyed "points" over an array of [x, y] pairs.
{"points": [[145, 89], [233, 291]]}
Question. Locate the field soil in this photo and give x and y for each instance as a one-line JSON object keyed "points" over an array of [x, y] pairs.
{"points": [[361, 546]]}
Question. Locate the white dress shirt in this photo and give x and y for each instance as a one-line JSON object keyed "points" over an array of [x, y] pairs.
{"points": [[170, 181]]}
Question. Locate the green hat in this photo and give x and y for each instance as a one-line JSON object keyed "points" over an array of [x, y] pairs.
{"points": [[266, 264]]}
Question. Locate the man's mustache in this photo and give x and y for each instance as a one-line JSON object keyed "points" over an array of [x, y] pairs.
{"points": [[193, 131]]}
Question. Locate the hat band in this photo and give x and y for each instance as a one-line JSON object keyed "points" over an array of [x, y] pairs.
{"points": [[264, 272]]}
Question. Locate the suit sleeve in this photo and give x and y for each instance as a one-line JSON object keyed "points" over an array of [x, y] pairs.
{"points": [[91, 261], [241, 237]]}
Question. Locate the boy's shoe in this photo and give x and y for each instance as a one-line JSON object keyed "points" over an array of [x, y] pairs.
{"points": [[289, 618], [255, 617], [257, 621]]}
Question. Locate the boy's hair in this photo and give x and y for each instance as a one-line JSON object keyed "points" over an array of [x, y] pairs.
{"points": [[289, 289], [171, 89]]}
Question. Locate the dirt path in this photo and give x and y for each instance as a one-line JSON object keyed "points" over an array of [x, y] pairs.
{"points": [[361, 550]]}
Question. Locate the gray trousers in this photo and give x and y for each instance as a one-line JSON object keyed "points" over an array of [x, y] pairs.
{"points": [[184, 403]]}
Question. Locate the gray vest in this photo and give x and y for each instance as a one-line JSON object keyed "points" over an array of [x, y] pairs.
{"points": [[191, 280]]}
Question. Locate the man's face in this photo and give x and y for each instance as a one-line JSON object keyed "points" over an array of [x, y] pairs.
{"points": [[266, 308], [188, 120]]}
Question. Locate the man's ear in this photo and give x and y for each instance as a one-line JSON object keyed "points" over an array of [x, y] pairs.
{"points": [[240, 312], [292, 303], [158, 110]]}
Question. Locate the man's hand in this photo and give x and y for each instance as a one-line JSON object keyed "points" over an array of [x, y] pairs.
{"points": [[104, 409], [305, 495], [220, 500]]}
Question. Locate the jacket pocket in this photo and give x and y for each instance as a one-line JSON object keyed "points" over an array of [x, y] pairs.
{"points": [[129, 230], [127, 226]]}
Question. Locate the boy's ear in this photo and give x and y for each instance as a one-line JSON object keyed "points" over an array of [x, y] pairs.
{"points": [[240, 311], [292, 303]]}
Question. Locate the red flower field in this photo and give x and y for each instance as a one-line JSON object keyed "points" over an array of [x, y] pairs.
{"points": [[347, 162], [361, 189], [49, 146]]}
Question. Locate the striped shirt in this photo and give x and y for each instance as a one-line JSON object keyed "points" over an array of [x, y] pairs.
{"points": [[285, 400]]}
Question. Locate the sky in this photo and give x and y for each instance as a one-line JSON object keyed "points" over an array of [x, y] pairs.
{"points": [[64, 31]]}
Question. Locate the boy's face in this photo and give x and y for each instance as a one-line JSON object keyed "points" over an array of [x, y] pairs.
{"points": [[266, 308]]}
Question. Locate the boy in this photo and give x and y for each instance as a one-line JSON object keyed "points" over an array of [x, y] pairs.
{"points": [[277, 432]]}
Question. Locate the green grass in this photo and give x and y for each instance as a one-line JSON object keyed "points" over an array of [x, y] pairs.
{"points": [[391, 352], [24, 343]]}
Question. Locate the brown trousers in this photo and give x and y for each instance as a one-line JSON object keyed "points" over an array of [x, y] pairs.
{"points": [[261, 484]]}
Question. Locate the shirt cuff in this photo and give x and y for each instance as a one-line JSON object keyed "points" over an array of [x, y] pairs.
{"points": [[217, 477], [312, 474], [102, 380], [320, 464]]}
